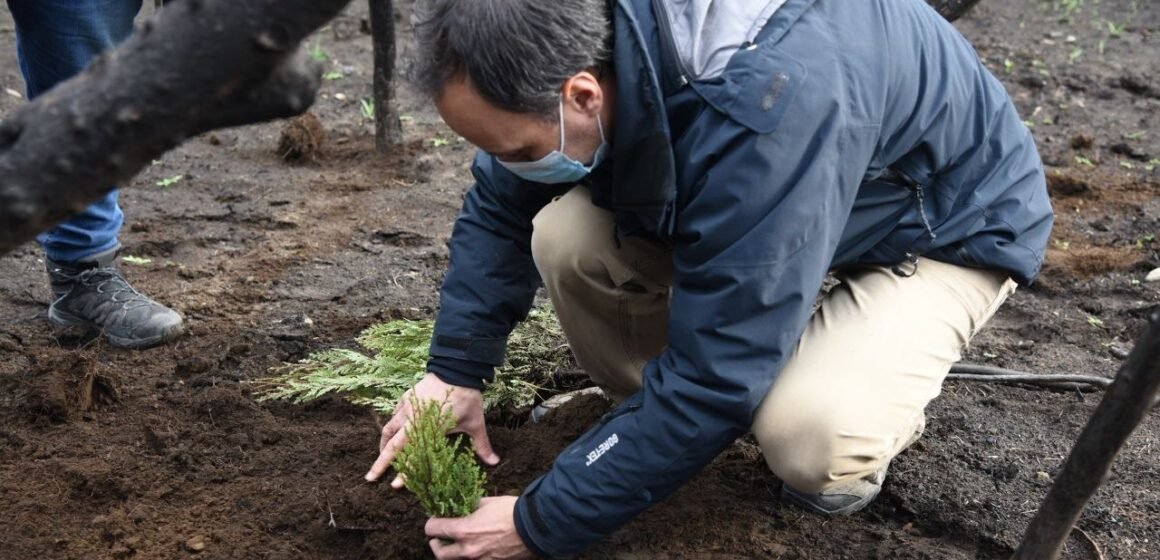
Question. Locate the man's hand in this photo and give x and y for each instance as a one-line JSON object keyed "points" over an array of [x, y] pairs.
{"points": [[467, 406], [488, 534]]}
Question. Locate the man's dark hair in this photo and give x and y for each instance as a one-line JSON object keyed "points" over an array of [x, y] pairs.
{"points": [[517, 53]]}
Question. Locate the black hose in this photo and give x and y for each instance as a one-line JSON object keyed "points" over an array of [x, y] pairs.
{"points": [[976, 372], [1064, 382]]}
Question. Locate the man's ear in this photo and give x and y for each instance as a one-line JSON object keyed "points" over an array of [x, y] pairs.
{"points": [[583, 93]]}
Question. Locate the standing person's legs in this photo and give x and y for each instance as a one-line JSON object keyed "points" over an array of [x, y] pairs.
{"points": [[55, 40], [872, 357], [851, 397]]}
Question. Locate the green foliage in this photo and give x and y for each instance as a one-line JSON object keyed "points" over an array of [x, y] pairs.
{"points": [[135, 260], [436, 468], [398, 360], [170, 181], [317, 53]]}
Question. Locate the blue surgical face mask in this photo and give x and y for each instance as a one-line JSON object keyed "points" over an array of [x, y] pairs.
{"points": [[556, 167]]}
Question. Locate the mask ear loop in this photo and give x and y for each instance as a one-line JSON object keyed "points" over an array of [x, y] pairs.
{"points": [[561, 123], [599, 126]]}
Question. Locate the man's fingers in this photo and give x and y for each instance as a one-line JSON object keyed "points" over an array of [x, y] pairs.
{"points": [[387, 455], [446, 551], [444, 532], [483, 446], [397, 423], [443, 528]]}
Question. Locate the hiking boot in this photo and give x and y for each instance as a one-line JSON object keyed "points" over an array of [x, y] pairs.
{"points": [[850, 497], [93, 295]]}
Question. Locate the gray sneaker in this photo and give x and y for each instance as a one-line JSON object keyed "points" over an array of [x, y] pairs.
{"points": [[93, 295], [850, 497], [843, 500]]}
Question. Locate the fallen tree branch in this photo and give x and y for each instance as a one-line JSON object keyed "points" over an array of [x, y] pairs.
{"points": [[199, 65], [1123, 407]]}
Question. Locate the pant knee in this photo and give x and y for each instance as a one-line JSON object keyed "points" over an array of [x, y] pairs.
{"points": [[802, 455], [812, 450], [569, 237]]}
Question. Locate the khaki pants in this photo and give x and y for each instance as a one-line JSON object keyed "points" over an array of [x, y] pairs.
{"points": [[852, 395]]}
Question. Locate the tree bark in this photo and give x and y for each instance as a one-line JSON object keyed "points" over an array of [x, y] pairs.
{"points": [[1125, 405], [199, 65], [388, 128]]}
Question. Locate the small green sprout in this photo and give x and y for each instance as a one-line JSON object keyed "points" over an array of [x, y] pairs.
{"points": [[170, 181], [136, 261], [317, 53]]}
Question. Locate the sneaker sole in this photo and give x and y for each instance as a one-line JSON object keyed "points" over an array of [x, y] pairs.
{"points": [[63, 320], [803, 501]]}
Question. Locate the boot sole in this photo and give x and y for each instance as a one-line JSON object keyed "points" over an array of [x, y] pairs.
{"points": [[64, 320]]}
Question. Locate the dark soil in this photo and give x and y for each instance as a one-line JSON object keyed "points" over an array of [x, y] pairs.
{"points": [[165, 453]]}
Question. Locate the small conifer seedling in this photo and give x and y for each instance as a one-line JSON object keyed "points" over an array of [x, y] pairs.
{"points": [[436, 468]]}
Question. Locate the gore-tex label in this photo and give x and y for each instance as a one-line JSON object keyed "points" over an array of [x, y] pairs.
{"points": [[601, 449]]}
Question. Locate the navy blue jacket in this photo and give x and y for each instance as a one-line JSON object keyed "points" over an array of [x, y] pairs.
{"points": [[847, 132]]}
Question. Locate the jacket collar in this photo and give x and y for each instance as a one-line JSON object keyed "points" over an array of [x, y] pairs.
{"points": [[643, 182]]}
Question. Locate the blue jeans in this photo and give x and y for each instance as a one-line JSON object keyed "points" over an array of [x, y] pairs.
{"points": [[56, 39]]}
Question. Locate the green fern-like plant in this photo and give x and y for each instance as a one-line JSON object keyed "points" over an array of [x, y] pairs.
{"points": [[397, 359], [379, 381], [437, 469]]}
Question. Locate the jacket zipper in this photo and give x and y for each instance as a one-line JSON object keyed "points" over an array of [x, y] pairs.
{"points": [[664, 24]]}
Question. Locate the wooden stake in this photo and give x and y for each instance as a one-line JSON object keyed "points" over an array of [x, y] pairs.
{"points": [[1126, 403], [388, 128]]}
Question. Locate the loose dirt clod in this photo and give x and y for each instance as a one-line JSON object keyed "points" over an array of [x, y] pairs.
{"points": [[303, 139]]}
